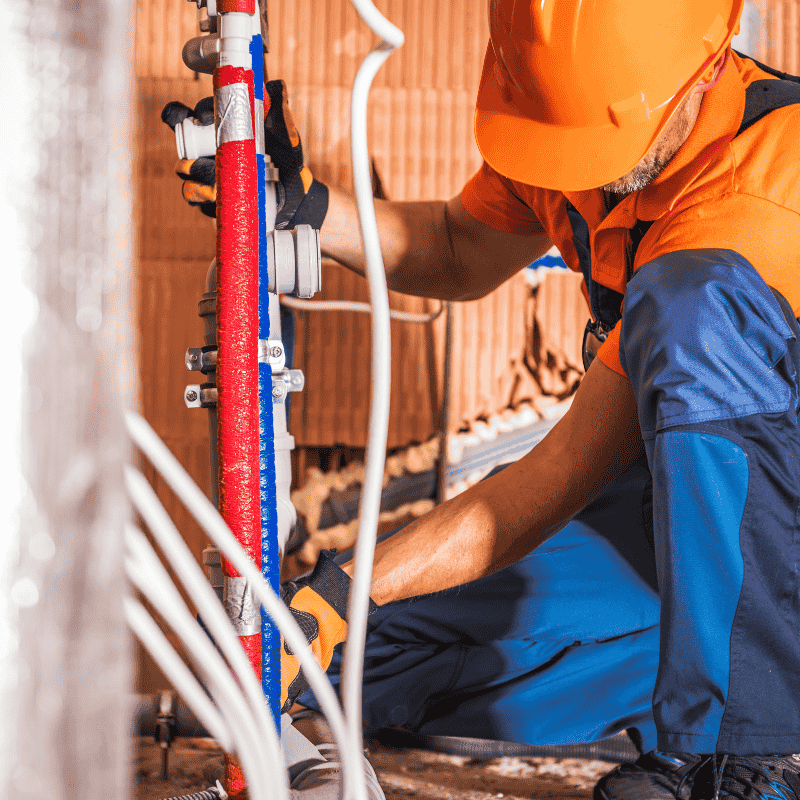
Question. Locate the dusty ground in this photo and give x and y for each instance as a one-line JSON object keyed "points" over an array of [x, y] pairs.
{"points": [[404, 774]]}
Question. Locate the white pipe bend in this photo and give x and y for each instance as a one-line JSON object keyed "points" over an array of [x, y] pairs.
{"points": [[358, 608]]}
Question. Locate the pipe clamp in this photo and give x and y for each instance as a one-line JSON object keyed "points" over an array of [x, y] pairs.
{"points": [[202, 395], [272, 352], [285, 381]]}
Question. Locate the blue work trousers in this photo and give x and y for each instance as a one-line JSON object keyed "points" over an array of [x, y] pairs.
{"points": [[670, 606]]}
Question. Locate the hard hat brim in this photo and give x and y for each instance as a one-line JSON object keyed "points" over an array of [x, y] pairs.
{"points": [[556, 157]]}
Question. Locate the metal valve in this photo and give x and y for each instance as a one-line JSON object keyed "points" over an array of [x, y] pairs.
{"points": [[201, 54]]}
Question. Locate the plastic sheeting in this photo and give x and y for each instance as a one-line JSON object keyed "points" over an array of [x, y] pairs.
{"points": [[66, 210]]}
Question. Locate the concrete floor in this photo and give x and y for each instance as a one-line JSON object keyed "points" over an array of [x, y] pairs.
{"points": [[404, 774]]}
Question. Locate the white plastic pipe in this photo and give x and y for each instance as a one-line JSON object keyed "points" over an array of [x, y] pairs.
{"points": [[149, 576], [204, 511], [360, 308], [194, 140], [207, 603], [283, 441], [235, 34], [358, 609]]}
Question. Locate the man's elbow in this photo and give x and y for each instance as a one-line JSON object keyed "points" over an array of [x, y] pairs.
{"points": [[474, 293], [470, 285]]}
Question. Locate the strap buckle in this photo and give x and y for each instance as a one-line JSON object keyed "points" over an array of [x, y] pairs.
{"points": [[594, 335]]}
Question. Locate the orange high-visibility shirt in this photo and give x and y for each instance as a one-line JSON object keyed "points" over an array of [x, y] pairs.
{"points": [[720, 190]]}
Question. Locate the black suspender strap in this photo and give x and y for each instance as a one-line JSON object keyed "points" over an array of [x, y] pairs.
{"points": [[762, 97]]}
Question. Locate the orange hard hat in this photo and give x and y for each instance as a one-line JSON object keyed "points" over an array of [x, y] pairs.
{"points": [[574, 93]]}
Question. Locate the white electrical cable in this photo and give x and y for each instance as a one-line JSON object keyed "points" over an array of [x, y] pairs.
{"points": [[206, 514], [204, 597], [244, 742], [206, 601], [224, 692], [358, 609], [151, 578], [361, 308], [179, 675]]}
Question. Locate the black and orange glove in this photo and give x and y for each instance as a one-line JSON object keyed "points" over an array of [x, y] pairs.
{"points": [[198, 174], [301, 199], [318, 603]]}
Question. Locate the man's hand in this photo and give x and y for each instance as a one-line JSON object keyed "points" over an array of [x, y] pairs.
{"points": [[198, 174], [318, 604], [301, 199]]}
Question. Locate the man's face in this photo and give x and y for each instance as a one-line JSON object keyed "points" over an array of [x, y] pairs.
{"points": [[659, 155]]}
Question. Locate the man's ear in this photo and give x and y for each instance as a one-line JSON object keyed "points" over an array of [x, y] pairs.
{"points": [[713, 74]]}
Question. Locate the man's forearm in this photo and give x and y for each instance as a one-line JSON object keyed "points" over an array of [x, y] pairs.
{"points": [[414, 243], [498, 521]]}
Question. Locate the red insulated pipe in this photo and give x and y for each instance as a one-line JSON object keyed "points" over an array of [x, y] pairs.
{"points": [[237, 336], [241, 6]]}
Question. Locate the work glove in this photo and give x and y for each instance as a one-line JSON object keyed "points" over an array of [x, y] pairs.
{"points": [[318, 603], [301, 199], [198, 174]]}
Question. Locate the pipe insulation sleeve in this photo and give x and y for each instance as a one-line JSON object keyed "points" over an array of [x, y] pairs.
{"points": [[237, 318], [270, 556], [270, 545], [236, 6]]}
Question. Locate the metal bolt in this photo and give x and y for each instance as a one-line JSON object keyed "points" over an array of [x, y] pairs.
{"points": [[276, 351], [191, 396], [193, 357], [296, 380], [277, 391]]}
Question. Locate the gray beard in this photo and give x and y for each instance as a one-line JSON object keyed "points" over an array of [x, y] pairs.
{"points": [[638, 177]]}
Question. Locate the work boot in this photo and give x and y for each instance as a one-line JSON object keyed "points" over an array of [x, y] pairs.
{"points": [[315, 771], [755, 777], [653, 776], [323, 780]]}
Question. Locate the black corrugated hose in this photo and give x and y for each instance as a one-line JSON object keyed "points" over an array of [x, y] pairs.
{"points": [[617, 748]]}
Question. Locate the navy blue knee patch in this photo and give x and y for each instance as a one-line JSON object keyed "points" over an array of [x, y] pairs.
{"points": [[703, 338]]}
